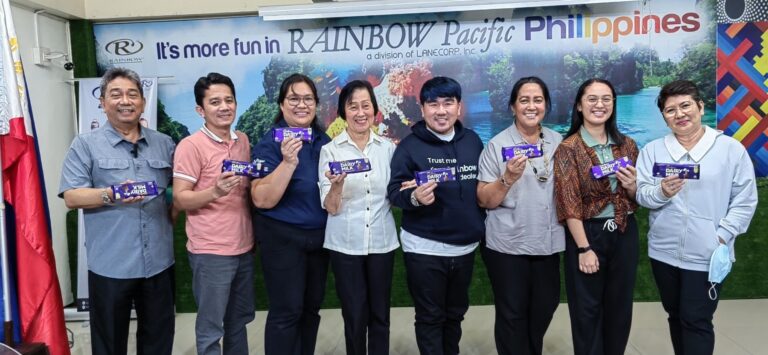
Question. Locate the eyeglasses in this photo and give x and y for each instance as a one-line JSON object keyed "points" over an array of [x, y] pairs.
{"points": [[685, 107], [593, 100], [296, 100]]}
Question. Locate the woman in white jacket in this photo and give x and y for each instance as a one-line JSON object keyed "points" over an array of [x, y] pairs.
{"points": [[689, 217]]}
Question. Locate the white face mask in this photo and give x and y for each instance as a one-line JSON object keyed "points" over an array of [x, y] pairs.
{"points": [[719, 267]]}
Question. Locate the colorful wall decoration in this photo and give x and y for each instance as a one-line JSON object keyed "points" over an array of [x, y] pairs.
{"points": [[742, 81]]}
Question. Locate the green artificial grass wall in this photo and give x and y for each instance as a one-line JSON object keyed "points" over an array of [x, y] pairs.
{"points": [[746, 280]]}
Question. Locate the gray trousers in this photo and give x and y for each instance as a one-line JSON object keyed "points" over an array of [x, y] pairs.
{"points": [[223, 290]]}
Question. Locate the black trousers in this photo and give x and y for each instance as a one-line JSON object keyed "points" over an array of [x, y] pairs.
{"points": [[600, 304], [684, 295], [110, 303], [364, 284], [295, 267], [526, 293], [439, 286]]}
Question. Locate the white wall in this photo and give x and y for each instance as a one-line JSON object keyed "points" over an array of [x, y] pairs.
{"points": [[65, 8], [144, 9], [53, 109]]}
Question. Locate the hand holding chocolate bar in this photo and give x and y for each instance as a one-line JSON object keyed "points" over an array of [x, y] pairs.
{"points": [[225, 183], [515, 168], [130, 191], [628, 178], [335, 179], [350, 166], [290, 149], [243, 168], [528, 150], [671, 185], [282, 133], [436, 175], [610, 168], [425, 193], [684, 171]]}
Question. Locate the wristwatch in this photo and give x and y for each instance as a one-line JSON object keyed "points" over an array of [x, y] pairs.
{"points": [[105, 198], [584, 249], [414, 200]]}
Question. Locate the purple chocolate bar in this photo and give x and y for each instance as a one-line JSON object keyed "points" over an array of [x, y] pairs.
{"points": [[279, 134], [529, 150], [684, 171], [133, 189], [243, 168], [350, 166], [610, 168], [436, 175]]}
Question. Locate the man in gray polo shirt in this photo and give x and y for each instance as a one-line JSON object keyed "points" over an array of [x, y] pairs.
{"points": [[129, 242]]}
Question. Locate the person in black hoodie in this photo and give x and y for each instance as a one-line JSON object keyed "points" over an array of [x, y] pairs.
{"points": [[442, 222]]}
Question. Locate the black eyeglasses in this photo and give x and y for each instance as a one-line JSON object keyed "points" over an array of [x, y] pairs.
{"points": [[296, 100]]}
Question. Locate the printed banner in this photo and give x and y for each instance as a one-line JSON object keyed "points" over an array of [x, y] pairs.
{"points": [[91, 116], [635, 46]]}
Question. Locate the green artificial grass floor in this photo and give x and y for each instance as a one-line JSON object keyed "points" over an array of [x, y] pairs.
{"points": [[746, 280]]}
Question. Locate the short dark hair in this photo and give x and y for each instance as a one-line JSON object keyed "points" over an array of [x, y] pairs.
{"points": [[678, 88], [577, 118], [204, 83], [346, 95], [119, 72], [530, 80], [288, 82], [439, 86]]}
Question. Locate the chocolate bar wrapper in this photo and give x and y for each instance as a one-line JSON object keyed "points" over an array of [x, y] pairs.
{"points": [[134, 189], [243, 168], [280, 134], [529, 150], [684, 171], [350, 166], [437, 175], [610, 168]]}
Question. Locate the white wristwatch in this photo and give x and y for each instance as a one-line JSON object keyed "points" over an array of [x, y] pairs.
{"points": [[414, 200], [105, 198]]}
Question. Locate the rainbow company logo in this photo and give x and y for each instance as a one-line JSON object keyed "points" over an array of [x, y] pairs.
{"points": [[126, 50], [584, 26], [124, 47]]}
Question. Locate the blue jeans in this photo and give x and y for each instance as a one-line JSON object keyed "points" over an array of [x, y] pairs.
{"points": [[223, 290]]}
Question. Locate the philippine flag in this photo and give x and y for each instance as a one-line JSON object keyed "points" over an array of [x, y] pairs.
{"points": [[39, 298]]}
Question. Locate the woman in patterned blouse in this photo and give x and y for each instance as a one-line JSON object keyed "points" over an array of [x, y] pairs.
{"points": [[601, 252]]}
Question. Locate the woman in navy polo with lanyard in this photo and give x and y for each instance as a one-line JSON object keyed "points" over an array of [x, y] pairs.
{"points": [[290, 223]]}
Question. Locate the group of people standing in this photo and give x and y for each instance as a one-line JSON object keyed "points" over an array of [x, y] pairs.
{"points": [[521, 213]]}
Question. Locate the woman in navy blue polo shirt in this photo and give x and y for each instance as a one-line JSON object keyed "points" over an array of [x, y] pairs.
{"points": [[290, 223]]}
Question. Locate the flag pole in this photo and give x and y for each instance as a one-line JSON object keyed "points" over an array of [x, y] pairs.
{"points": [[8, 321]]}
